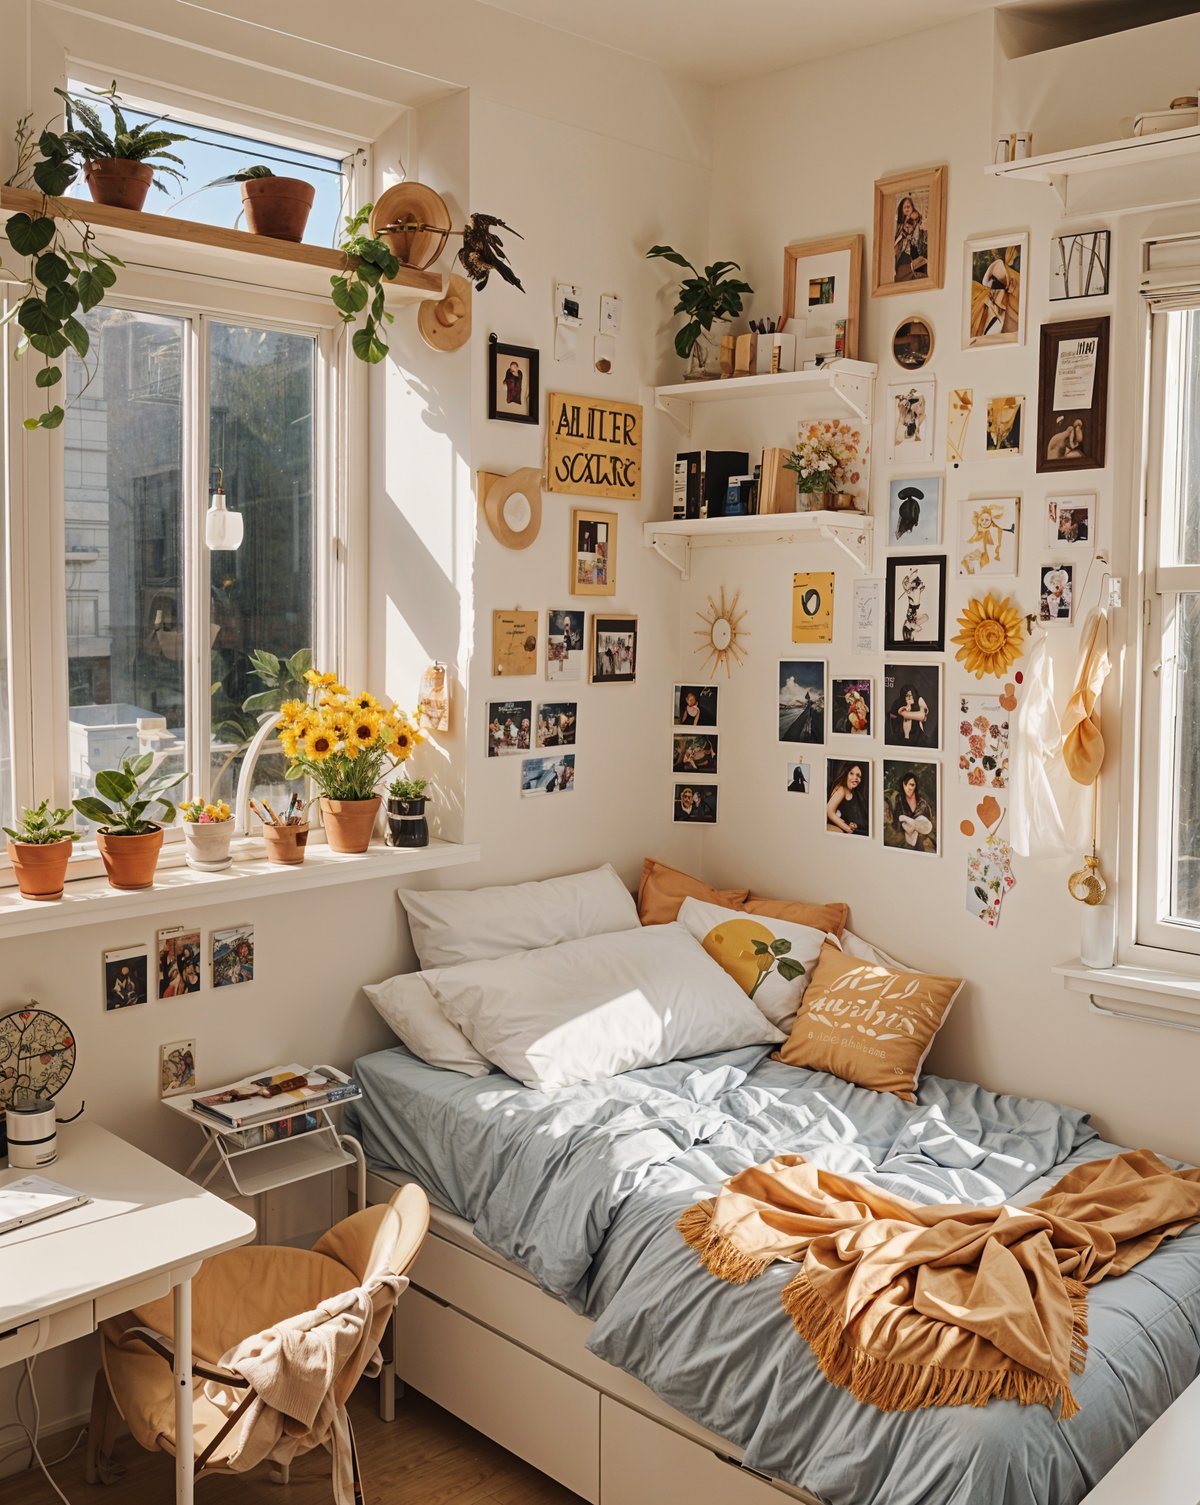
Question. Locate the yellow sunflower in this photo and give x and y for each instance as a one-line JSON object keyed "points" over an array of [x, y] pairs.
{"points": [[365, 701], [321, 741], [364, 730], [991, 636]]}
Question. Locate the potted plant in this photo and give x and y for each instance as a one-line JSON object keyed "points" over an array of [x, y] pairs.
{"points": [[207, 830], [129, 844], [826, 460], [345, 743], [705, 299], [39, 850], [119, 167], [274, 206], [406, 823]]}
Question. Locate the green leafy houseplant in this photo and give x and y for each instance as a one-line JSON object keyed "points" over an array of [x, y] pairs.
{"points": [[89, 141], [40, 849], [703, 297], [407, 789], [42, 827], [274, 206], [127, 795], [360, 283], [773, 957]]}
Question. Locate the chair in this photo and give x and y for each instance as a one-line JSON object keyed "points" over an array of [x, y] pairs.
{"points": [[299, 1328]]}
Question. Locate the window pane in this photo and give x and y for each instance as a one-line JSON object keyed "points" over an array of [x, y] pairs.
{"points": [[261, 396], [6, 791], [1185, 854], [1181, 440], [124, 509]]}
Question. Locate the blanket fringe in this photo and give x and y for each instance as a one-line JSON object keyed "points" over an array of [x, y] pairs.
{"points": [[718, 1254], [894, 1386]]}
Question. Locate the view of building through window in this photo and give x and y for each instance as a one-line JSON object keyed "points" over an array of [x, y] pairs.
{"points": [[6, 796]]}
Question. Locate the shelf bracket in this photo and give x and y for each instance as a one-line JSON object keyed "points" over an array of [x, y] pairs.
{"points": [[678, 409], [676, 551], [854, 540], [857, 392]]}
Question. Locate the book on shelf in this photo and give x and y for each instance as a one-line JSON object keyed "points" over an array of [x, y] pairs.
{"points": [[278, 1128], [275, 1094], [702, 480], [777, 484]]}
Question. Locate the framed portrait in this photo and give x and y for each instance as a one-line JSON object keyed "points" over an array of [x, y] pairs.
{"points": [[852, 706], [695, 805], [694, 752], [556, 723], [910, 232], [912, 807], [593, 553], [799, 778], [695, 705], [910, 421], [1079, 265], [512, 382], [614, 650], [822, 294], [848, 796], [802, 700], [993, 291], [911, 706], [989, 535], [914, 602], [1073, 395], [1071, 520], [914, 512], [555, 775], [565, 645], [1005, 426], [1056, 594], [912, 343]]}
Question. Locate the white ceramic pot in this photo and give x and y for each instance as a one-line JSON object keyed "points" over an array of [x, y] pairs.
{"points": [[207, 845]]}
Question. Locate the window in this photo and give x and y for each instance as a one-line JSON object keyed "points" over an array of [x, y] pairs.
{"points": [[6, 778]]}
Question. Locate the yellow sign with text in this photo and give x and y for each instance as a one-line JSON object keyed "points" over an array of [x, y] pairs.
{"points": [[812, 607], [594, 447]]}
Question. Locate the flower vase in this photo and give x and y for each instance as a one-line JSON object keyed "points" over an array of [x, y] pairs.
{"points": [[704, 363], [206, 844], [406, 823], [809, 500], [349, 824]]}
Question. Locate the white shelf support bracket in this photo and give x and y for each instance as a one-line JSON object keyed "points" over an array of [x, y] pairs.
{"points": [[676, 550], [854, 540], [677, 409], [857, 392]]}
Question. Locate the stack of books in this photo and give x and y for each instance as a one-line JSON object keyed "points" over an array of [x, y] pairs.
{"points": [[720, 483], [275, 1094]]}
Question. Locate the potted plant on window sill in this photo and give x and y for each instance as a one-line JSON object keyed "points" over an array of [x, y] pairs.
{"points": [[128, 843], [713, 297], [207, 830], [346, 744], [406, 822], [39, 850], [119, 167], [274, 206]]}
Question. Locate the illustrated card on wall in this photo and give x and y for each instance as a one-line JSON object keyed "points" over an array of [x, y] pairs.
{"points": [[514, 643], [910, 421], [989, 879], [176, 1067], [556, 723], [548, 775], [1070, 520], [1005, 425], [914, 512], [126, 977], [911, 706], [812, 607], [233, 956], [989, 530], [614, 649], [994, 293], [694, 754], [565, 646], [912, 807], [868, 594], [914, 603], [593, 553], [982, 742], [852, 707], [178, 962], [802, 700], [509, 723], [594, 447], [959, 410], [1079, 265]]}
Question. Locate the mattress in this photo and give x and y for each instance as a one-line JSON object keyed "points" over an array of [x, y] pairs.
{"points": [[581, 1188]]}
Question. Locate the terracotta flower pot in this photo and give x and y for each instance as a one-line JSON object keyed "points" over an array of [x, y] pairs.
{"points": [[130, 861], [41, 869], [286, 844], [278, 207], [349, 823], [118, 182], [206, 845]]}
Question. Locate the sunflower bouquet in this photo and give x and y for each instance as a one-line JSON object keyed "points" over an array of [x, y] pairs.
{"points": [[345, 743]]}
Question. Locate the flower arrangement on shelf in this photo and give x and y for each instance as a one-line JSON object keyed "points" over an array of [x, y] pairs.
{"points": [[207, 832], [197, 812], [827, 457]]}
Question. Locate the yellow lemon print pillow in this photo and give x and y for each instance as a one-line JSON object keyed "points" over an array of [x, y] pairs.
{"points": [[772, 977]]}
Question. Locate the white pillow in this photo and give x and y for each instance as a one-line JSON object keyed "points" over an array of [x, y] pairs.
{"points": [[598, 1006], [728, 935], [854, 945], [412, 1013], [475, 924]]}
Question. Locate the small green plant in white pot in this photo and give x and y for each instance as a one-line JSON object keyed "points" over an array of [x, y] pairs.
{"points": [[207, 831], [128, 842], [39, 848]]}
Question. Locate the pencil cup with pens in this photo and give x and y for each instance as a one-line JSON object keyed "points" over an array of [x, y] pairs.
{"points": [[286, 837]]}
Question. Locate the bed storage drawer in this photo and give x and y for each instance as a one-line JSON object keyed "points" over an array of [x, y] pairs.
{"points": [[525, 1404]]}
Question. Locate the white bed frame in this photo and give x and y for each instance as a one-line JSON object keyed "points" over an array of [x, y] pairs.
{"points": [[479, 1337]]}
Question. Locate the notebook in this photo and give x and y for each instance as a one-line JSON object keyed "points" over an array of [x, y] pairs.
{"points": [[32, 1198]]}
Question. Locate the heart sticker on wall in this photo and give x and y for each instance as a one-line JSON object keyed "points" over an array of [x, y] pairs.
{"points": [[1009, 699], [988, 810]]}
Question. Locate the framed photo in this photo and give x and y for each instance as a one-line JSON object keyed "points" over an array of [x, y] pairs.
{"points": [[910, 421], [1071, 520], [914, 604], [1005, 425], [178, 962], [695, 805], [911, 706], [1056, 598], [614, 650], [694, 752], [512, 382], [233, 956], [912, 343], [852, 707], [799, 778], [994, 292], [1079, 265], [176, 1067], [822, 290], [914, 512], [983, 735], [514, 644], [848, 796], [802, 700], [1073, 395], [695, 705], [565, 645], [126, 978], [594, 553], [910, 232], [989, 532], [554, 775], [509, 726], [912, 807], [556, 723]]}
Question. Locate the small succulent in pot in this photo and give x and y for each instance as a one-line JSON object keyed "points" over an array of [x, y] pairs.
{"points": [[39, 847], [406, 822], [129, 843]]}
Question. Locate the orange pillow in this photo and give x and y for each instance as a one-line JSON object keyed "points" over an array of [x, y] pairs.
{"points": [[871, 1025], [828, 917], [663, 889]]}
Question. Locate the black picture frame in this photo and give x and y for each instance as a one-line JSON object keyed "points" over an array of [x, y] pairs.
{"points": [[894, 631], [527, 359], [1072, 438]]}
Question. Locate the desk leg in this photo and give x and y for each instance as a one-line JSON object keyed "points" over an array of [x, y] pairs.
{"points": [[184, 1451]]}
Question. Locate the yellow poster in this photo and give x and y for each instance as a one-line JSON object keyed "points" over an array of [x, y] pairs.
{"points": [[594, 447], [812, 607]]}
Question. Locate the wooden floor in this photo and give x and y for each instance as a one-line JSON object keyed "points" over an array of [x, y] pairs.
{"points": [[424, 1457]]}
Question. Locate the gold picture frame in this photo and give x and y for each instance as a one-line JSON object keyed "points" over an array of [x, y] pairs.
{"points": [[810, 265], [909, 250], [593, 552]]}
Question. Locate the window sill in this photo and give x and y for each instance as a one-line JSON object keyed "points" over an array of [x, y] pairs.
{"points": [[90, 901], [1142, 993]]}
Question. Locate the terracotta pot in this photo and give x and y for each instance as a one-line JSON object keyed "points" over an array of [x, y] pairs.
{"points": [[118, 182], [349, 823], [278, 207], [207, 846], [130, 861], [41, 869], [286, 844]]}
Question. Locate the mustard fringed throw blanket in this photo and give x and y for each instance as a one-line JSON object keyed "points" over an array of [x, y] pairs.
{"points": [[909, 1306]]}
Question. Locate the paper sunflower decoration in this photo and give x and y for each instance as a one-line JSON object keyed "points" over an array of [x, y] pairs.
{"points": [[991, 636]]}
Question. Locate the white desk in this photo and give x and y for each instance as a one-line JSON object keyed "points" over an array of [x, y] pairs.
{"points": [[145, 1233]]}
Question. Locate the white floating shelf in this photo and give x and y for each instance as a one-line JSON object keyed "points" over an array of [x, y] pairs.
{"points": [[852, 383], [1117, 177], [674, 541]]}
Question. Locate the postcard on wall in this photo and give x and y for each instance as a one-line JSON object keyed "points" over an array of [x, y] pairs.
{"points": [[593, 553], [958, 416], [695, 805], [911, 706], [848, 796], [694, 752], [1073, 395], [851, 707], [514, 643], [509, 723], [994, 292], [1005, 425], [802, 700], [982, 742], [176, 1067], [695, 705], [554, 775], [799, 778], [812, 607], [868, 595], [910, 415], [989, 531], [565, 644], [126, 977], [556, 722], [914, 512], [233, 956], [1071, 520], [1056, 603], [614, 649], [178, 961], [912, 807]]}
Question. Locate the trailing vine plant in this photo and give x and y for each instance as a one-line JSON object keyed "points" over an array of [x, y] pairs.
{"points": [[360, 283]]}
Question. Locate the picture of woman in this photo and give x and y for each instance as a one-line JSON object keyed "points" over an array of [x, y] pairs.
{"points": [[848, 811], [1066, 443], [910, 806], [910, 241], [907, 716], [514, 380], [911, 700], [851, 702], [799, 775], [995, 295], [915, 604], [694, 755], [695, 705]]}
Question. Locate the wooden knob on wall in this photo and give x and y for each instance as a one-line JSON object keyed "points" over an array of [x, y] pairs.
{"points": [[446, 324]]}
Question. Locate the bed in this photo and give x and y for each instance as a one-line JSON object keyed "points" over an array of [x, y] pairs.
{"points": [[557, 1308]]}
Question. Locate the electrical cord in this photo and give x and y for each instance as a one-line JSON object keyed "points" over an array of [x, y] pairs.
{"points": [[31, 1437]]}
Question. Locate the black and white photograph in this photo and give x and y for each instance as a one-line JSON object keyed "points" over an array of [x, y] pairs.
{"points": [[556, 720], [911, 408], [695, 705], [1079, 265], [1056, 603], [802, 700], [694, 752], [911, 706], [848, 796], [614, 650], [553, 775], [1070, 520], [126, 977], [911, 821], [915, 604], [799, 778], [512, 382], [566, 646], [851, 707], [695, 805], [509, 726]]}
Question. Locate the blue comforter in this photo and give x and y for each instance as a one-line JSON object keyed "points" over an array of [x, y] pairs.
{"points": [[582, 1188]]}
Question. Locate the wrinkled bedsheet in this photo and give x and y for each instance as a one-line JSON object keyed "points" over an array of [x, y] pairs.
{"points": [[582, 1188]]}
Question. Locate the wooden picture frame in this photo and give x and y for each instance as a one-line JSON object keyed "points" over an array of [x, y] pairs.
{"points": [[918, 260], [593, 552], [516, 400], [906, 608], [613, 637], [1072, 419], [809, 262]]}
